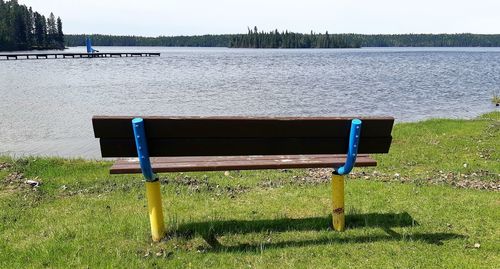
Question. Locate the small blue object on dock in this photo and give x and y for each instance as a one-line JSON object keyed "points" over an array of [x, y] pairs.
{"points": [[88, 43]]}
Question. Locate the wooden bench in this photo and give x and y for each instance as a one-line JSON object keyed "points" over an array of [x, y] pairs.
{"points": [[183, 144]]}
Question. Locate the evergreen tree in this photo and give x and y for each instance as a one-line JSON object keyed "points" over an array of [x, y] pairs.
{"points": [[51, 29], [20, 29], [23, 29], [30, 26], [60, 34], [40, 30]]}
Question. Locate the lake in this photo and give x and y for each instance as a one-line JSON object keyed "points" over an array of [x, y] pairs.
{"points": [[47, 105]]}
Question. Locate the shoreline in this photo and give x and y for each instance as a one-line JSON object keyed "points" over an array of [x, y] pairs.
{"points": [[411, 158], [97, 157]]}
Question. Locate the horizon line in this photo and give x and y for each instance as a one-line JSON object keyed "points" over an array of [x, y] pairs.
{"points": [[192, 35]]}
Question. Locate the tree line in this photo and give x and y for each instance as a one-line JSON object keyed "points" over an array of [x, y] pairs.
{"points": [[286, 39], [161, 41], [429, 40], [276, 39], [21, 28]]}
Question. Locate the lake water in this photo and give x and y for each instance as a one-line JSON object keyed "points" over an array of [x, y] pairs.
{"points": [[46, 105]]}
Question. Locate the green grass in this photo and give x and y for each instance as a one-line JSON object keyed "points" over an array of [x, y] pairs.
{"points": [[82, 217], [424, 150]]}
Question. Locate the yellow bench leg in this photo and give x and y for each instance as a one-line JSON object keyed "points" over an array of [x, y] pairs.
{"points": [[155, 210], [338, 202]]}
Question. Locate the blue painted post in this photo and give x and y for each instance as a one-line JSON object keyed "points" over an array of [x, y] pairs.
{"points": [[352, 151], [142, 149]]}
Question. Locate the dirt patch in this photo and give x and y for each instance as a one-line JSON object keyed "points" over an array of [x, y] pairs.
{"points": [[196, 185], [313, 177], [272, 184], [320, 175], [14, 179], [17, 181], [100, 188], [5, 166], [193, 184], [470, 181]]}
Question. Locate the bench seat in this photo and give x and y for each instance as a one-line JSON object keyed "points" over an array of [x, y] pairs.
{"points": [[225, 163]]}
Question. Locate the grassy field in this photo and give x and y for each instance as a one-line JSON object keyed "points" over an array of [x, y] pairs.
{"points": [[433, 202]]}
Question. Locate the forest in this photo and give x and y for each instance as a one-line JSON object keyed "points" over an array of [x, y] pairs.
{"points": [[286, 39], [21, 28], [162, 41], [276, 39]]}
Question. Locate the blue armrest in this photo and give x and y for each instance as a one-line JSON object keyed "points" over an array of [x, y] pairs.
{"points": [[353, 148]]}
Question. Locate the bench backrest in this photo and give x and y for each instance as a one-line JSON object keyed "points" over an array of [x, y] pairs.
{"points": [[233, 136]]}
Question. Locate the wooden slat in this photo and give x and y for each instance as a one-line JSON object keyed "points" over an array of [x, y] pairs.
{"points": [[217, 163], [240, 127], [241, 146], [237, 158]]}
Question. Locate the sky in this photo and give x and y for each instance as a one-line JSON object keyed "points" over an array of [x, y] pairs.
{"points": [[190, 17]]}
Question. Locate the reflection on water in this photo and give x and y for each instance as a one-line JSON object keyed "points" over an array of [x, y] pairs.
{"points": [[47, 105]]}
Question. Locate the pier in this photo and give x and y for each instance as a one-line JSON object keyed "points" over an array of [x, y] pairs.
{"points": [[32, 56]]}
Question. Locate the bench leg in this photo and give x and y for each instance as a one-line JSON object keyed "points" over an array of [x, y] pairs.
{"points": [[152, 183], [155, 210], [338, 202]]}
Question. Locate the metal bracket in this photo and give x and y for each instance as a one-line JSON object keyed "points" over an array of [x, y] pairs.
{"points": [[352, 151], [142, 149]]}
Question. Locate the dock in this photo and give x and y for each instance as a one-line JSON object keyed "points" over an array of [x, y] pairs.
{"points": [[32, 56]]}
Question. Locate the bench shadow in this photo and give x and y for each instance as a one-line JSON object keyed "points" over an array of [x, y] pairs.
{"points": [[209, 230], [429, 238]]}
